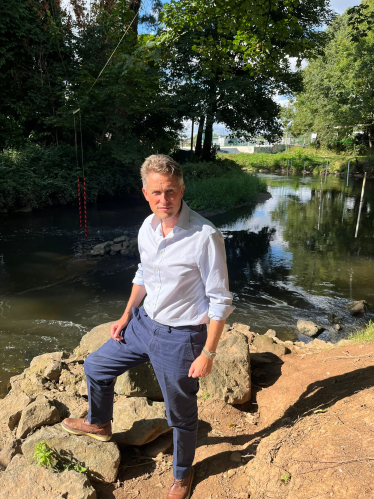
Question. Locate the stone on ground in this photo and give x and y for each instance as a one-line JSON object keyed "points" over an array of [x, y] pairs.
{"points": [[100, 458], [11, 408], [309, 328], [9, 448], [137, 421], [358, 308], [37, 482], [37, 414], [230, 379], [161, 445], [94, 339], [69, 406], [264, 344], [140, 381]]}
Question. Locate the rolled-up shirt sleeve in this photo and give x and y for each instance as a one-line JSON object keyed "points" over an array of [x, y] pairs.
{"points": [[213, 270], [138, 279]]}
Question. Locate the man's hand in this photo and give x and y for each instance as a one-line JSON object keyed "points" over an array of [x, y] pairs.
{"points": [[200, 367], [117, 327]]}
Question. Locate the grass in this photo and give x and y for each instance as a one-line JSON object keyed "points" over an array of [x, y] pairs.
{"points": [[365, 335], [314, 160], [223, 193]]}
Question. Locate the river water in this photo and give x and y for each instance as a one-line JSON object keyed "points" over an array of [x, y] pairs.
{"points": [[293, 256]]}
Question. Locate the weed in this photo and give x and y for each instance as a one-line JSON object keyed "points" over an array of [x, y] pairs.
{"points": [[285, 478], [365, 335], [205, 396], [43, 454]]}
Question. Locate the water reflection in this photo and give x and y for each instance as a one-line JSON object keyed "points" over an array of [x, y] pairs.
{"points": [[293, 256]]}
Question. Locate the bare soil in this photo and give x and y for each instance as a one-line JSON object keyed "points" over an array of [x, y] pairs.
{"points": [[307, 433]]}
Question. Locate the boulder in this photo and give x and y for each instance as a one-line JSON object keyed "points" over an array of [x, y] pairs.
{"points": [[271, 333], [162, 445], [100, 458], [131, 250], [140, 381], [94, 339], [264, 344], [69, 406], [137, 421], [11, 408], [309, 328], [53, 370], [37, 414], [101, 249], [37, 482], [28, 382], [358, 308], [9, 448], [39, 363], [230, 379], [116, 248], [120, 239]]}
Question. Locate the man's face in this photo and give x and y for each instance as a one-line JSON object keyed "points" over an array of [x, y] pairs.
{"points": [[164, 195]]}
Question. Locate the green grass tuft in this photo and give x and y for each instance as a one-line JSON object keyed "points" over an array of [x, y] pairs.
{"points": [[223, 193], [363, 335]]}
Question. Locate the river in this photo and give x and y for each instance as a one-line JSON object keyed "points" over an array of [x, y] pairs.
{"points": [[293, 256]]}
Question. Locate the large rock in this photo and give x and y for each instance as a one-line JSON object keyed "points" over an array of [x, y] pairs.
{"points": [[358, 308], [94, 339], [230, 379], [100, 458], [140, 381], [37, 414], [263, 343], [137, 421], [69, 406], [9, 448], [101, 249], [36, 482], [11, 408], [309, 328]]}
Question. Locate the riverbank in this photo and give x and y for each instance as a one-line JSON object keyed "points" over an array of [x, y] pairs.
{"points": [[36, 178], [301, 407], [308, 160]]}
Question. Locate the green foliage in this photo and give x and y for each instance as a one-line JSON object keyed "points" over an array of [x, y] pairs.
{"points": [[49, 458], [205, 396], [365, 335], [285, 478], [43, 454], [35, 176], [223, 193], [338, 99], [297, 158]]}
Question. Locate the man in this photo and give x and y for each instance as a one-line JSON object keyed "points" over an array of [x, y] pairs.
{"points": [[183, 278]]}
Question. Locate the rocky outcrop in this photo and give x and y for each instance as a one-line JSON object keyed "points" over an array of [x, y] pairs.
{"points": [[123, 245], [100, 458], [137, 421], [358, 308], [11, 410], [230, 379], [94, 339], [37, 414], [36, 482], [309, 328], [140, 381]]}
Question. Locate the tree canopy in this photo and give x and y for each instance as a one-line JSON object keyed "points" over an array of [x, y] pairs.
{"points": [[338, 98]]}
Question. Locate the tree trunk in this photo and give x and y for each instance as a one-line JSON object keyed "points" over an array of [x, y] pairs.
{"points": [[369, 137], [134, 5], [207, 147], [199, 138]]}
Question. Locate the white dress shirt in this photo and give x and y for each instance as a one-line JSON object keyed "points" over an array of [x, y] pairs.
{"points": [[184, 273]]}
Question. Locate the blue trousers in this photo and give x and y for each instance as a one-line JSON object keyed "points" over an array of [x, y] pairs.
{"points": [[171, 351]]}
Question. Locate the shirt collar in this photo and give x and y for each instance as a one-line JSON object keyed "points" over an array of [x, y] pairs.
{"points": [[183, 221]]}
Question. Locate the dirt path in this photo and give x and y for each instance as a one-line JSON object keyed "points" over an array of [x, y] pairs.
{"points": [[307, 433]]}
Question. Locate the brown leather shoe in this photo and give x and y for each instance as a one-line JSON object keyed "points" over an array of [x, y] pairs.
{"points": [[181, 489], [83, 427]]}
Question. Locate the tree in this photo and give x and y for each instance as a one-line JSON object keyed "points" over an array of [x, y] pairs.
{"points": [[338, 96], [228, 59]]}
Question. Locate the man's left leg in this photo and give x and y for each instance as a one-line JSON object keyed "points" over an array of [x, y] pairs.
{"points": [[171, 354]]}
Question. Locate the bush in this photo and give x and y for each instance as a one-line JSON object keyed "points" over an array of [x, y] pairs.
{"points": [[223, 193]]}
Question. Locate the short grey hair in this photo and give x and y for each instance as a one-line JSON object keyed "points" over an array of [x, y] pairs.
{"points": [[160, 163]]}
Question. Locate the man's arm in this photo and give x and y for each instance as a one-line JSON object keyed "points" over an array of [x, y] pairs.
{"points": [[202, 366], [136, 297]]}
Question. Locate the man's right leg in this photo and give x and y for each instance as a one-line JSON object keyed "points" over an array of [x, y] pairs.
{"points": [[102, 368]]}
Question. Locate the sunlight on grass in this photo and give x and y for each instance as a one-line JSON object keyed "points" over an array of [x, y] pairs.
{"points": [[363, 336]]}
